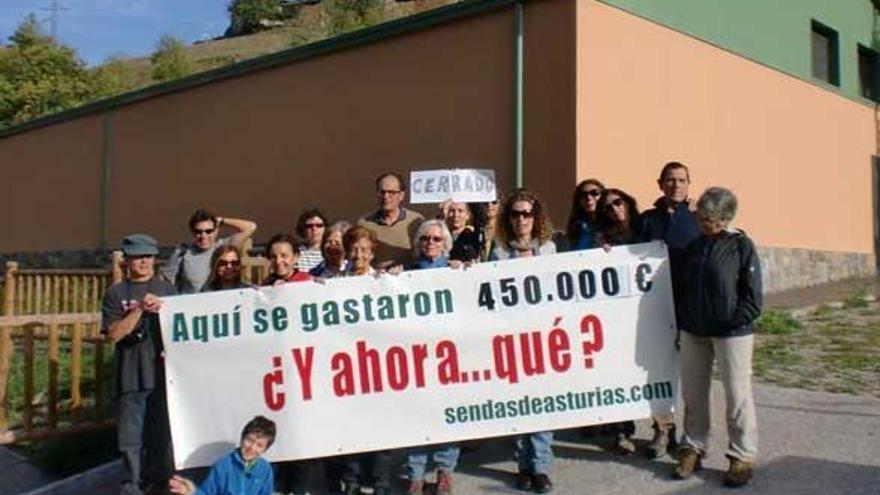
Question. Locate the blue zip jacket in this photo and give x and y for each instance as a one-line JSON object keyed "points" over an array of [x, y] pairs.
{"points": [[230, 476]]}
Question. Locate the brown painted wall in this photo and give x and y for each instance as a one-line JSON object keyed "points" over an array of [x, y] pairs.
{"points": [[549, 94], [51, 180], [798, 156], [269, 144]]}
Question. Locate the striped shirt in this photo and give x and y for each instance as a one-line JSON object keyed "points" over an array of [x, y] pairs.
{"points": [[308, 258]]}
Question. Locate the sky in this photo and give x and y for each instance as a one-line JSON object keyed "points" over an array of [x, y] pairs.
{"points": [[99, 29]]}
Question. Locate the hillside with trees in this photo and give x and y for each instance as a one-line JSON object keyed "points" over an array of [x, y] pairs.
{"points": [[39, 76]]}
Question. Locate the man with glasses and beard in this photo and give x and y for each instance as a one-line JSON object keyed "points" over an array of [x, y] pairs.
{"points": [[129, 318], [190, 265]]}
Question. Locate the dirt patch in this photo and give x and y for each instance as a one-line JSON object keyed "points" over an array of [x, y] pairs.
{"points": [[830, 348]]}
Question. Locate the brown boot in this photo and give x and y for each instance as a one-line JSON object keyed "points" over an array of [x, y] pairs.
{"points": [[416, 487], [739, 473], [689, 460]]}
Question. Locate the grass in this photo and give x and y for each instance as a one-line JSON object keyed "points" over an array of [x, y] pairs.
{"points": [[776, 322], [830, 349]]}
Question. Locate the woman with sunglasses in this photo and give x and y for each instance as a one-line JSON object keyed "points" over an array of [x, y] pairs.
{"points": [[333, 264], [583, 218], [225, 270], [523, 230], [310, 228], [432, 246], [619, 223]]}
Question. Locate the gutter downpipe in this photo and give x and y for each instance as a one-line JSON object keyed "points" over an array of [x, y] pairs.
{"points": [[518, 94]]}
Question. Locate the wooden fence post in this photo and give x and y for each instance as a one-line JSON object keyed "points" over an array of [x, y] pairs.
{"points": [[27, 414], [76, 348], [116, 268], [6, 344], [246, 261]]}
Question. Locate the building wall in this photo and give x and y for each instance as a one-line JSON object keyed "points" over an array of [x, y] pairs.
{"points": [[51, 187], [775, 32], [798, 156]]}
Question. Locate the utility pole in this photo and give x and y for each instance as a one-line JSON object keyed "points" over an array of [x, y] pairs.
{"points": [[53, 9]]}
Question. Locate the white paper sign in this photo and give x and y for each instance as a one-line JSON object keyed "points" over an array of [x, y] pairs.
{"points": [[365, 363], [464, 185]]}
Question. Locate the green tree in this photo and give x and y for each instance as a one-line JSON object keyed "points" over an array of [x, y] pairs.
{"points": [[39, 76], [350, 15], [251, 16], [170, 60]]}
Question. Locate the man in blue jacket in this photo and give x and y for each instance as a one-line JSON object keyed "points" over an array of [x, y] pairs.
{"points": [[671, 220]]}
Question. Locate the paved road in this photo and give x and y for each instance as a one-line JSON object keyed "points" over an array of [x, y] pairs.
{"points": [[812, 443]]}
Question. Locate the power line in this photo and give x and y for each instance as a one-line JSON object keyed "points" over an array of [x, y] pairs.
{"points": [[54, 7]]}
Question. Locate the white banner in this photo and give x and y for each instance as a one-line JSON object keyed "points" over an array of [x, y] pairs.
{"points": [[464, 185], [365, 363]]}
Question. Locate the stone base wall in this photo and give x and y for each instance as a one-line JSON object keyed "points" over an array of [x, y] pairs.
{"points": [[788, 268]]}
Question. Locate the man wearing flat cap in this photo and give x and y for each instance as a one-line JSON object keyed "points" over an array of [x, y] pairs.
{"points": [[130, 320]]}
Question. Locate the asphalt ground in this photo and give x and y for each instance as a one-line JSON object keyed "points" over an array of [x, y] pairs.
{"points": [[811, 443]]}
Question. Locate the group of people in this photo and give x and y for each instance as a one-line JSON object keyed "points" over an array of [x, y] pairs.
{"points": [[716, 286]]}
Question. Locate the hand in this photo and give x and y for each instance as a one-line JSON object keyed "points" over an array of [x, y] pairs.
{"points": [[279, 282], [181, 486], [152, 303], [606, 247], [455, 264], [395, 270]]}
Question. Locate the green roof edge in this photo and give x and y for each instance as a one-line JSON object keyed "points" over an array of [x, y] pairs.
{"points": [[345, 41]]}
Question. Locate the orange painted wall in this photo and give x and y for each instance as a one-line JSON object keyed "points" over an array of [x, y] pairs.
{"points": [[51, 183], [798, 156]]}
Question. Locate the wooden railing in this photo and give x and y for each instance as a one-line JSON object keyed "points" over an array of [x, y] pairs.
{"points": [[49, 330]]}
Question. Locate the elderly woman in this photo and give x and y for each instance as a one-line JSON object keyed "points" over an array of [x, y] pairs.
{"points": [[225, 269], [583, 218], [432, 242], [523, 229], [720, 300], [310, 228], [333, 264]]}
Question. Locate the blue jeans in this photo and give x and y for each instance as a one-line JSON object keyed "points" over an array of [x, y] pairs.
{"points": [[143, 437], [445, 456], [533, 452]]}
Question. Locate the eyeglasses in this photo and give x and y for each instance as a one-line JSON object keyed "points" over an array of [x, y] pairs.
{"points": [[613, 203], [431, 238], [387, 192], [593, 193], [229, 263], [203, 231], [521, 214], [314, 225], [141, 257]]}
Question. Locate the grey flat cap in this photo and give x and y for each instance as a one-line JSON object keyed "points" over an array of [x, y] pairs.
{"points": [[140, 245]]}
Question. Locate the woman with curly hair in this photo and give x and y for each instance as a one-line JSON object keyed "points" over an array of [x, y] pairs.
{"points": [[524, 229], [583, 218]]}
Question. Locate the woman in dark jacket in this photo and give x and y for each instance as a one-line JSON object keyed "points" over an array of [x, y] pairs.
{"points": [[583, 218], [618, 226], [720, 299]]}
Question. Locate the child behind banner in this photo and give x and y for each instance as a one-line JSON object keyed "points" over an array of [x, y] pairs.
{"points": [[243, 468]]}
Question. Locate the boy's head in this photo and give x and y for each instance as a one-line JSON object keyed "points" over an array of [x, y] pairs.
{"points": [[256, 437]]}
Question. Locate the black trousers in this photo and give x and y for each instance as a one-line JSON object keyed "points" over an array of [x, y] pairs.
{"points": [[144, 437]]}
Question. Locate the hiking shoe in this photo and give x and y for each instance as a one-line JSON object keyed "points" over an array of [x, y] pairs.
{"points": [[524, 480], [416, 487], [444, 482], [739, 473], [689, 460], [624, 444], [659, 444], [541, 483]]}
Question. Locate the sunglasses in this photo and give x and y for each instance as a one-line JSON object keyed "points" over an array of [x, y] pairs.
{"points": [[388, 192], [593, 193], [521, 214], [229, 263], [431, 238], [203, 231], [613, 203], [314, 225]]}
